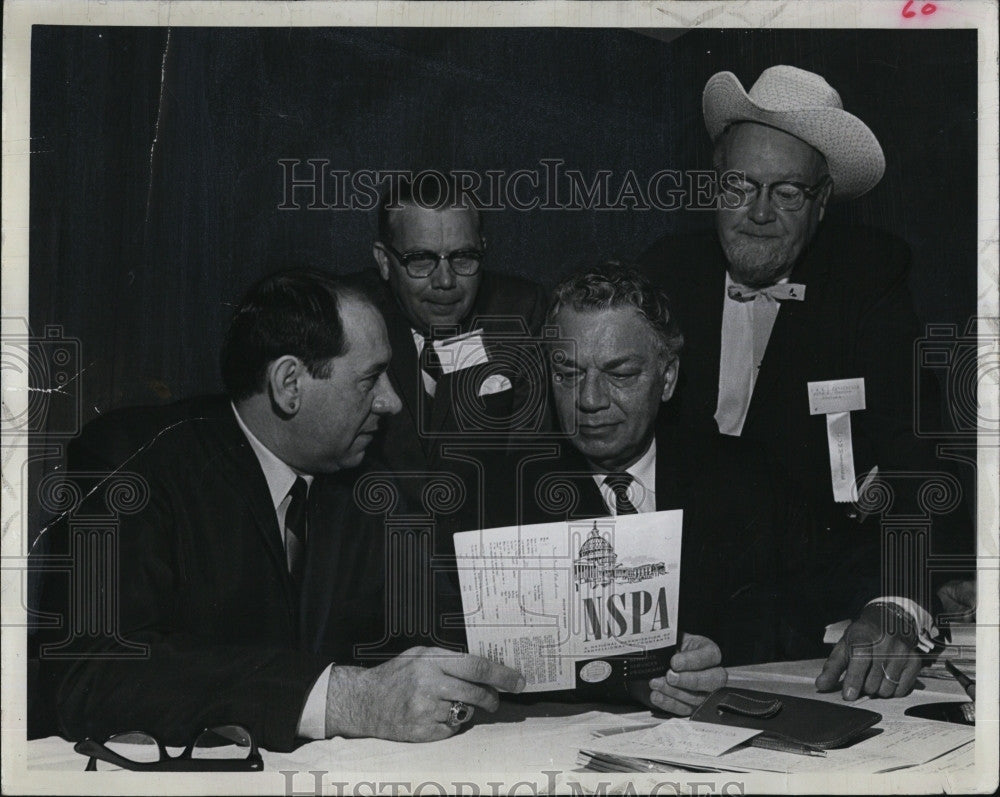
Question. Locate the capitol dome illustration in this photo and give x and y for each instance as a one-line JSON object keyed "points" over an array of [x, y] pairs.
{"points": [[598, 550], [597, 564]]}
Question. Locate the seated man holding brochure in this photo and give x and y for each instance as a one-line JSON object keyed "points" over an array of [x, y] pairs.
{"points": [[748, 544], [243, 574]]}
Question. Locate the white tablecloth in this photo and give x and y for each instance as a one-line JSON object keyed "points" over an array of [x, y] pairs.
{"points": [[536, 743]]}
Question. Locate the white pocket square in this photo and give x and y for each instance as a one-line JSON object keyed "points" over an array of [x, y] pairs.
{"points": [[494, 383]]}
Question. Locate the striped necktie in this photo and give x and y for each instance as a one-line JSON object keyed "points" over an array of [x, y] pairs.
{"points": [[619, 484]]}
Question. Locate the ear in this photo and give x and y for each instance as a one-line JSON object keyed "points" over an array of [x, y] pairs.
{"points": [[284, 382], [381, 259], [670, 379]]}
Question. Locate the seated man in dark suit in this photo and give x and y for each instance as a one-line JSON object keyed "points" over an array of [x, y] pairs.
{"points": [[747, 541], [234, 557]]}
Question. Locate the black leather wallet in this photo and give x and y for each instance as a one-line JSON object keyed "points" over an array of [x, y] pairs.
{"points": [[796, 720], [623, 678]]}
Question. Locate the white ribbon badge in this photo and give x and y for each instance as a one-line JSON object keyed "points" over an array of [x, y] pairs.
{"points": [[837, 399]]}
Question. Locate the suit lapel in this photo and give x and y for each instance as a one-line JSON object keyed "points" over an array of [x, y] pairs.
{"points": [[405, 374], [702, 327], [591, 502], [785, 359], [669, 492], [441, 406], [404, 370], [325, 555], [239, 466]]}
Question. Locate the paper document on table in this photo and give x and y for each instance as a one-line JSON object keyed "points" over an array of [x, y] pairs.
{"points": [[893, 745], [573, 603], [676, 736]]}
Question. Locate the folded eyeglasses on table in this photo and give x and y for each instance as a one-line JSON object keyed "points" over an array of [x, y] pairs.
{"points": [[226, 748]]}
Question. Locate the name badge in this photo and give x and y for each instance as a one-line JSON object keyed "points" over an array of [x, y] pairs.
{"points": [[837, 399], [463, 351], [836, 395]]}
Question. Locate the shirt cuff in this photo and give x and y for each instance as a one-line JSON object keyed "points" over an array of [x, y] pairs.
{"points": [[312, 724], [924, 625]]}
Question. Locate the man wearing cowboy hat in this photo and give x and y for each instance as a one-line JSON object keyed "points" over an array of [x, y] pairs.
{"points": [[780, 310]]}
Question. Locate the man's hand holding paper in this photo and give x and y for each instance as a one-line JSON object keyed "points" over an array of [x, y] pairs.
{"points": [[695, 672], [409, 698]]}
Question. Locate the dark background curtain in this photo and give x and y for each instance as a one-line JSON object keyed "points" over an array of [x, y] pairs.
{"points": [[155, 175]]}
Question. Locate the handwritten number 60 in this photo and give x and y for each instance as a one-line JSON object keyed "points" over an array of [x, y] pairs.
{"points": [[926, 9]]}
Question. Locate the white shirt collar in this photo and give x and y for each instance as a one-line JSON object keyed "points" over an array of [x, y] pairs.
{"points": [[279, 475], [643, 471]]}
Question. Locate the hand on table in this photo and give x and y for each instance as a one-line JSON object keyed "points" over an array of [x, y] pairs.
{"points": [[876, 656], [409, 698], [694, 672]]}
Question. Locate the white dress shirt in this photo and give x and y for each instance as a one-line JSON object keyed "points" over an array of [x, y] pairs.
{"points": [[642, 490], [280, 478], [742, 351]]}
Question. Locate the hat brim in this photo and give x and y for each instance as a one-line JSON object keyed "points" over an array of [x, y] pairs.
{"points": [[852, 152]]}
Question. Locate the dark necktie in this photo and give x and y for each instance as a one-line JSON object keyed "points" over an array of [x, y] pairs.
{"points": [[296, 525], [431, 360], [430, 363], [619, 484]]}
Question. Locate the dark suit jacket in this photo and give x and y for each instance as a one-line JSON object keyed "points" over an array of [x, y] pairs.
{"points": [[202, 583], [447, 458], [461, 425], [857, 320], [748, 544]]}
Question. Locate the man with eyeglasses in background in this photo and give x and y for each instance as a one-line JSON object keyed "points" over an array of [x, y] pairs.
{"points": [[773, 301], [465, 362]]}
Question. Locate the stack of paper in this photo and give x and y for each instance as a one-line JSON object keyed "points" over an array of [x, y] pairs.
{"points": [[960, 651], [706, 747]]}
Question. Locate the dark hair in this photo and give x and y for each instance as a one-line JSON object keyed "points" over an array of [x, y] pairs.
{"points": [[293, 312], [439, 193], [614, 284]]}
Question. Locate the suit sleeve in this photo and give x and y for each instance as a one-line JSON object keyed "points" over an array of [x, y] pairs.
{"points": [[820, 579], [141, 666]]}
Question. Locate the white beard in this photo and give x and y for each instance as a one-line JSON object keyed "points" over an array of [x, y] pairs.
{"points": [[756, 263]]}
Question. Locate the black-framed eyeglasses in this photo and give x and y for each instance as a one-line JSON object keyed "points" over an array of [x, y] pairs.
{"points": [[740, 191], [226, 748], [420, 265]]}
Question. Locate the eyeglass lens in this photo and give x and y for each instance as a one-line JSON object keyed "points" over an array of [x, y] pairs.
{"points": [[139, 747], [424, 263], [227, 741]]}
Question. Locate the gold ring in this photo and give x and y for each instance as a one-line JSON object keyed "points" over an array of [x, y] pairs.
{"points": [[886, 674]]}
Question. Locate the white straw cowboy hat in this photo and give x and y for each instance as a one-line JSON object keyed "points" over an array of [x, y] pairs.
{"points": [[806, 106]]}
